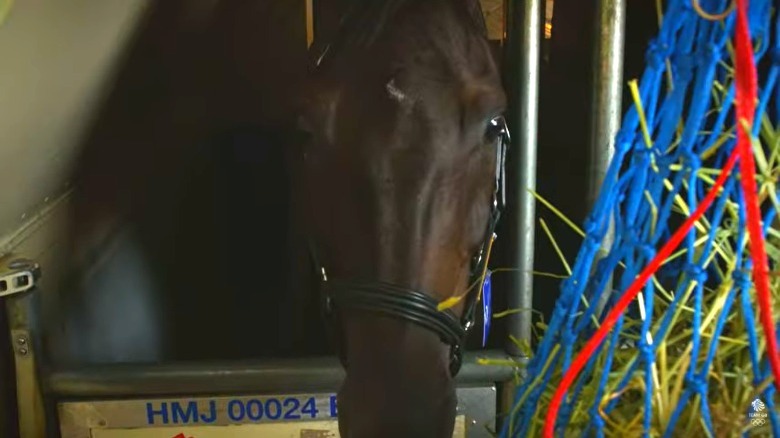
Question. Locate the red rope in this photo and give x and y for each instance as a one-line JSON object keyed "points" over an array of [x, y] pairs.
{"points": [[745, 75], [747, 92]]}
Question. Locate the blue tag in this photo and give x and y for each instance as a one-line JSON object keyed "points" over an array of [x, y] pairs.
{"points": [[487, 307]]}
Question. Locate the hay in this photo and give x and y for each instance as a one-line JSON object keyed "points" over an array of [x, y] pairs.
{"points": [[731, 387]]}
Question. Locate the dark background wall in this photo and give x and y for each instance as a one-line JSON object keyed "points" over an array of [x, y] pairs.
{"points": [[187, 156]]}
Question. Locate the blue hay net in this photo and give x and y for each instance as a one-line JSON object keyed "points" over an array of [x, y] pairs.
{"points": [[686, 94]]}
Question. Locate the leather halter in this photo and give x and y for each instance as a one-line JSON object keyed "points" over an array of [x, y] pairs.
{"points": [[402, 303], [406, 304]]}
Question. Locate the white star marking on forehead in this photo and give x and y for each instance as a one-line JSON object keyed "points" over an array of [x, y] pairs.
{"points": [[395, 92]]}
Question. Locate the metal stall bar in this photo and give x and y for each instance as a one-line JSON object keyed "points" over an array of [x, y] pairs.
{"points": [[606, 104], [305, 374], [522, 60]]}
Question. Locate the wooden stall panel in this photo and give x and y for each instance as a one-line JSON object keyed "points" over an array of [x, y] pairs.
{"points": [[494, 18], [292, 415], [307, 429]]}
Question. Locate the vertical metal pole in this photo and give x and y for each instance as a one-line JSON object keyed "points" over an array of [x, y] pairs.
{"points": [[522, 82], [526, 31], [606, 103]]}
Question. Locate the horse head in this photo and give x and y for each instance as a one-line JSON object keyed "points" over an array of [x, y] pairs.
{"points": [[402, 176]]}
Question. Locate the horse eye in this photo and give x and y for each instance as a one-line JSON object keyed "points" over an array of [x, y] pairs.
{"points": [[494, 129]]}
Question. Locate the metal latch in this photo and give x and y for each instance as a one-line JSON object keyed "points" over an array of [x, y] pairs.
{"points": [[18, 276]]}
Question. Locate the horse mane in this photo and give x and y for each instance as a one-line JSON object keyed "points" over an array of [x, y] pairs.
{"points": [[363, 21]]}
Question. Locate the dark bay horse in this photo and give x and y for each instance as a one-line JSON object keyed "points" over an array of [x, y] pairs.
{"points": [[399, 176]]}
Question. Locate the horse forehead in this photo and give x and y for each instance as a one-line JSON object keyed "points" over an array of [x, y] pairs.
{"points": [[442, 74]]}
